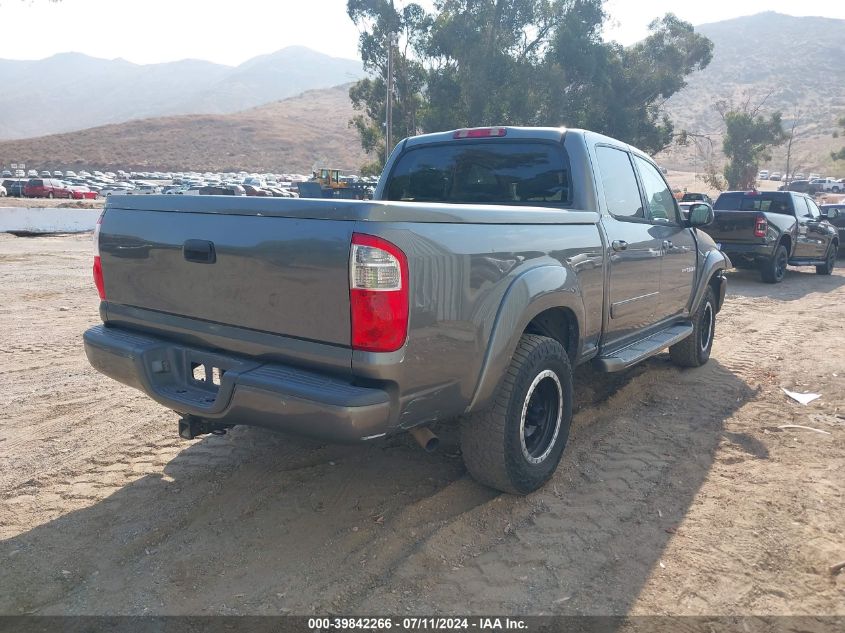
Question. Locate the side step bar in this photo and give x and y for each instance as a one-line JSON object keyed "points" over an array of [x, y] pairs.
{"points": [[640, 350]]}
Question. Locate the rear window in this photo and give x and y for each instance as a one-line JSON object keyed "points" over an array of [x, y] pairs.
{"points": [[765, 202], [512, 173]]}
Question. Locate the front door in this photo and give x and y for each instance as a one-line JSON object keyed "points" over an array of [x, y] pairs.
{"points": [[816, 230], [678, 264], [634, 249]]}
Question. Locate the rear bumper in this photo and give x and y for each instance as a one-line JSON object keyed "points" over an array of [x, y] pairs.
{"points": [[748, 251], [249, 392]]}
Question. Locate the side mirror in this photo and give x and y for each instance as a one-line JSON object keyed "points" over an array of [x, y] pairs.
{"points": [[701, 214], [830, 214]]}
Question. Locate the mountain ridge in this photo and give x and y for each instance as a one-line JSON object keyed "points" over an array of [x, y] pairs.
{"points": [[293, 135], [74, 91]]}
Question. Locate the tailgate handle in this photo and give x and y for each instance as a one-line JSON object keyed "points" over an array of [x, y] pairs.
{"points": [[199, 251]]}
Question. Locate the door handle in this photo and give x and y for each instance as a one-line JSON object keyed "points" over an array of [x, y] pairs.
{"points": [[199, 251], [619, 245]]}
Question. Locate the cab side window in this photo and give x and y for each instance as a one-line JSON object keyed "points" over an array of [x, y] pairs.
{"points": [[814, 211], [661, 203], [621, 192]]}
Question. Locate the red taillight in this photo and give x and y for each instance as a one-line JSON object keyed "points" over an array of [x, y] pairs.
{"points": [[378, 294], [98, 266], [761, 226], [98, 278], [480, 132]]}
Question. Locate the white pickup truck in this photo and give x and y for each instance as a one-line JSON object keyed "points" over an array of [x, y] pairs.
{"points": [[827, 184]]}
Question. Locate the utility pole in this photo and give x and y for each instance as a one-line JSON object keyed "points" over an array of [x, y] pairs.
{"points": [[388, 124]]}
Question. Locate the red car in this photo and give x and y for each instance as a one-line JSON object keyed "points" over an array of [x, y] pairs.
{"points": [[46, 188], [83, 193]]}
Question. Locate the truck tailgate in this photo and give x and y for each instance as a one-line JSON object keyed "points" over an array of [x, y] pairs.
{"points": [[273, 274], [733, 226]]}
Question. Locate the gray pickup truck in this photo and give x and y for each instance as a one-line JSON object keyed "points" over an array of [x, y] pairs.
{"points": [[770, 229], [490, 263]]}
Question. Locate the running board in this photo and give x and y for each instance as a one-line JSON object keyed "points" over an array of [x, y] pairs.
{"points": [[640, 350]]}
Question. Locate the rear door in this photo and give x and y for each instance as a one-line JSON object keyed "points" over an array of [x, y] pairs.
{"points": [[677, 266], [806, 246], [817, 232], [634, 243]]}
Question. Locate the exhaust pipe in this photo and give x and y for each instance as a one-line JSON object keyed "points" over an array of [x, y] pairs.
{"points": [[425, 438]]}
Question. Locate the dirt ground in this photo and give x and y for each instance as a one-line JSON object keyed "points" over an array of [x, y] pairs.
{"points": [[678, 493], [63, 203]]}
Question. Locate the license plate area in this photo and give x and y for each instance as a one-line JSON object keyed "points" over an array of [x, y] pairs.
{"points": [[205, 375], [184, 376]]}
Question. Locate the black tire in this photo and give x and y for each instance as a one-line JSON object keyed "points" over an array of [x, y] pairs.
{"points": [[774, 270], [501, 448], [695, 349], [830, 262]]}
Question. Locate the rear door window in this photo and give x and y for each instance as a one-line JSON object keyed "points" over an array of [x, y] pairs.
{"points": [[771, 202], [661, 203], [621, 192], [499, 172]]}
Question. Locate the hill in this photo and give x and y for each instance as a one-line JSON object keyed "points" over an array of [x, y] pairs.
{"points": [[796, 61], [294, 135], [71, 91]]}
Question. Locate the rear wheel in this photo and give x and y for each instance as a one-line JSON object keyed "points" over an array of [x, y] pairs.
{"points": [[695, 349], [516, 445], [774, 270], [829, 263]]}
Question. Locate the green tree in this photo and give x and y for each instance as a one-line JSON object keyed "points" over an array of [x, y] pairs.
{"points": [[377, 19], [839, 155], [617, 90], [748, 138], [520, 62]]}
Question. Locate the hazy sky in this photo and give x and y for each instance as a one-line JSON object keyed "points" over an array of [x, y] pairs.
{"points": [[233, 31]]}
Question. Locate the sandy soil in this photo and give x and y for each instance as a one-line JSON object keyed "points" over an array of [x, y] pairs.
{"points": [[678, 492], [45, 203]]}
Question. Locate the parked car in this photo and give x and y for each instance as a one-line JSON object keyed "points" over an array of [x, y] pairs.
{"points": [[763, 174], [58, 174], [693, 197], [827, 184], [46, 188], [6, 174], [80, 192], [14, 187], [147, 190], [776, 175], [115, 190], [255, 191], [222, 190], [800, 186], [837, 219], [332, 334], [770, 229]]}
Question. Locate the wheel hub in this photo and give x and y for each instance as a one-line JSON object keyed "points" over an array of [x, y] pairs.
{"points": [[541, 416]]}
